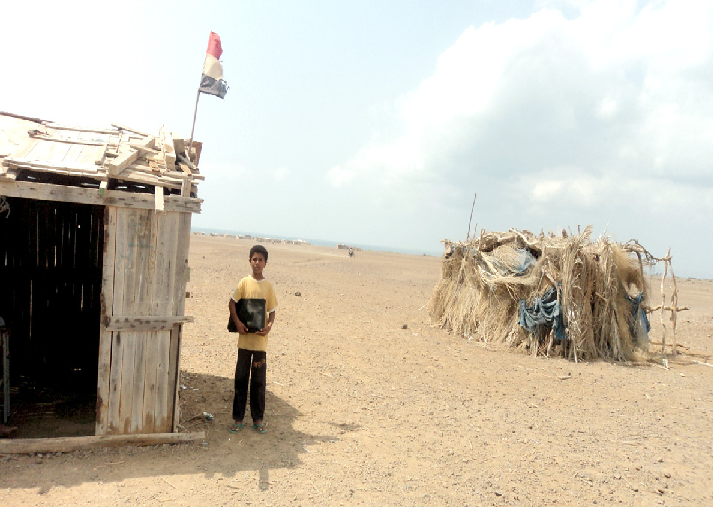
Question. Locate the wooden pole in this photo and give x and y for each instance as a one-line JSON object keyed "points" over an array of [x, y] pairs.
{"points": [[674, 305], [663, 301], [471, 218], [69, 444], [195, 112], [641, 272], [667, 308]]}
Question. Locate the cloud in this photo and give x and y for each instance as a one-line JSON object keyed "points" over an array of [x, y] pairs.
{"points": [[568, 188], [609, 108], [631, 81]]}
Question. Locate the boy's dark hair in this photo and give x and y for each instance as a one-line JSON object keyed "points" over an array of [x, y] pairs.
{"points": [[258, 249]]}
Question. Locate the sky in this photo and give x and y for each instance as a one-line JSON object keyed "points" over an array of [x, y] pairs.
{"points": [[376, 122]]}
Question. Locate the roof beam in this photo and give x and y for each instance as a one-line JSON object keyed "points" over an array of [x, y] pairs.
{"points": [[118, 198]]}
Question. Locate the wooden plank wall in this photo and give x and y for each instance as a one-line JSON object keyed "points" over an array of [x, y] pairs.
{"points": [[145, 275], [179, 304]]}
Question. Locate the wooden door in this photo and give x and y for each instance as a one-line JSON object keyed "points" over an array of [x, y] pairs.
{"points": [[143, 291]]}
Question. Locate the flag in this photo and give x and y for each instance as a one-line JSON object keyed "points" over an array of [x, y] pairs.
{"points": [[212, 79]]}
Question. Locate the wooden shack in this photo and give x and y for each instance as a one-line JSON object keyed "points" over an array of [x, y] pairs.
{"points": [[94, 235]]}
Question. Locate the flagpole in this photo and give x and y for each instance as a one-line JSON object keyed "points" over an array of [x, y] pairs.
{"points": [[195, 112]]}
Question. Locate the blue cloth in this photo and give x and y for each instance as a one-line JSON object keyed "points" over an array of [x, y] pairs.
{"points": [[639, 314], [545, 313]]}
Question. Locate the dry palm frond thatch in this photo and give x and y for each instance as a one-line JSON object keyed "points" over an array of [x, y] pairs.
{"points": [[484, 280]]}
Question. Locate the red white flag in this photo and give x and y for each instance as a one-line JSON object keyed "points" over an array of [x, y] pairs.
{"points": [[212, 79]]}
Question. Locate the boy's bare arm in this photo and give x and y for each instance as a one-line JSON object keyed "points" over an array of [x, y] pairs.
{"points": [[242, 329], [268, 326]]}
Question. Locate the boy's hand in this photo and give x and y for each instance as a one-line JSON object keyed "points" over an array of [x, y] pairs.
{"points": [[265, 330], [242, 328]]}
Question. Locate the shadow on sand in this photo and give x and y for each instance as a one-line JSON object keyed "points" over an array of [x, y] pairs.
{"points": [[222, 455]]}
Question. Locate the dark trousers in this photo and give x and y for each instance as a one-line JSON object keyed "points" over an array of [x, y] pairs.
{"points": [[251, 366]]}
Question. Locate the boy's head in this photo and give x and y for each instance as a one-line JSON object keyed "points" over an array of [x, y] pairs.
{"points": [[258, 259], [258, 249]]}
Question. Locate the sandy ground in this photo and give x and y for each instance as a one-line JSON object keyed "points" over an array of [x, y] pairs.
{"points": [[368, 404]]}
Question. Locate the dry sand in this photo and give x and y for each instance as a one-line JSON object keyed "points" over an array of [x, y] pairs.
{"points": [[363, 411]]}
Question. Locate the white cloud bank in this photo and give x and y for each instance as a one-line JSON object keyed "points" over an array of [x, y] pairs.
{"points": [[599, 117]]}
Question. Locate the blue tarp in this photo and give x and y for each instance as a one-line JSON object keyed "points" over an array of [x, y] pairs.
{"points": [[545, 312], [526, 260], [518, 267]]}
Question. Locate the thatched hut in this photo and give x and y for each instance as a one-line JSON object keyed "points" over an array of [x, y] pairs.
{"points": [[546, 293], [94, 235]]}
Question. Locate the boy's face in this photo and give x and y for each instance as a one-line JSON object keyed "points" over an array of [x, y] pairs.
{"points": [[257, 263]]}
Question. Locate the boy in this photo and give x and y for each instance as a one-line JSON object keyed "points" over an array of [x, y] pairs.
{"points": [[252, 347]]}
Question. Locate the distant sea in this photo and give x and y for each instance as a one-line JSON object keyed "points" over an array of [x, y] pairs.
{"points": [[322, 242]]}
